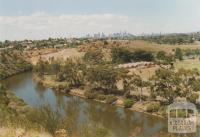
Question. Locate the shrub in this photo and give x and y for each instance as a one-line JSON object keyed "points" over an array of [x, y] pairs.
{"points": [[137, 97], [60, 77], [123, 55], [153, 107], [193, 98], [179, 54], [94, 56], [142, 55], [161, 55], [101, 97], [3, 74], [102, 132], [110, 99], [90, 95], [45, 117], [163, 110], [144, 97], [120, 55], [128, 103]]}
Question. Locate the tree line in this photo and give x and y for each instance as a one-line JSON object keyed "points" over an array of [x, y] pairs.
{"points": [[101, 81]]}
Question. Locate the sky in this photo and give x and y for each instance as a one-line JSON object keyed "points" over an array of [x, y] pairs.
{"points": [[41, 19]]}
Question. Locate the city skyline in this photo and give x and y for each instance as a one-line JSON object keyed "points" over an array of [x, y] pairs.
{"points": [[40, 19]]}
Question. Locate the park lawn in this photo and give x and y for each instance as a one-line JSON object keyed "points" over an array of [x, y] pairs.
{"points": [[188, 64]]}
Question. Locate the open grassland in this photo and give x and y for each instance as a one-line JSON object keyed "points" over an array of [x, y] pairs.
{"points": [[61, 54], [143, 45], [145, 73], [64, 54], [132, 45], [188, 64]]}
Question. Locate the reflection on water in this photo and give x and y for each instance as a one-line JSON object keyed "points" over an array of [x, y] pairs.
{"points": [[123, 123]]}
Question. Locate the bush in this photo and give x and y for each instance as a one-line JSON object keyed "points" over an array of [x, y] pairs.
{"points": [[94, 56], [110, 99], [142, 55], [193, 98], [101, 97], [143, 97], [128, 103], [153, 107], [46, 118], [161, 55], [123, 55], [120, 55], [3, 74], [102, 132], [90, 95], [60, 77], [179, 54]]}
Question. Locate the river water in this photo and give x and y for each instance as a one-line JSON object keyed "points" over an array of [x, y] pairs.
{"points": [[121, 122]]}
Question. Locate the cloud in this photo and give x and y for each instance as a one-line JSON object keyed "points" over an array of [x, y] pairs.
{"points": [[42, 25]]}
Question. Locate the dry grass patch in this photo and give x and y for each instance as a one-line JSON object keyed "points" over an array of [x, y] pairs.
{"points": [[19, 132], [188, 64], [145, 73], [144, 45]]}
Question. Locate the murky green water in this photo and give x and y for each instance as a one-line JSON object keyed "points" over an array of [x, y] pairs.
{"points": [[120, 121]]}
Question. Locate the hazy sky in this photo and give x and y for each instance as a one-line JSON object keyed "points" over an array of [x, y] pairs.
{"points": [[37, 19]]}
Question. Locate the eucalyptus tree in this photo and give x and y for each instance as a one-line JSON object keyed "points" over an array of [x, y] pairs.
{"points": [[170, 84], [161, 55], [165, 83], [190, 83], [120, 55], [73, 72], [187, 78], [128, 82], [179, 54], [94, 56], [102, 76], [41, 67], [140, 84], [55, 67]]}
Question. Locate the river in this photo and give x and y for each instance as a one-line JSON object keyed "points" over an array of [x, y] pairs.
{"points": [[121, 122]]}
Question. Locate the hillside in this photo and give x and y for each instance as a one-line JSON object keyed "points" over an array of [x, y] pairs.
{"points": [[12, 62]]}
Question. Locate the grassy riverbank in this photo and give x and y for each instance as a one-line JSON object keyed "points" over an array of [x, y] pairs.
{"points": [[18, 119], [62, 87], [12, 62]]}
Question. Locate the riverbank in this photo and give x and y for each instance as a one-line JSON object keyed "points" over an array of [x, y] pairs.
{"points": [[12, 63], [11, 105], [61, 87], [21, 132]]}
